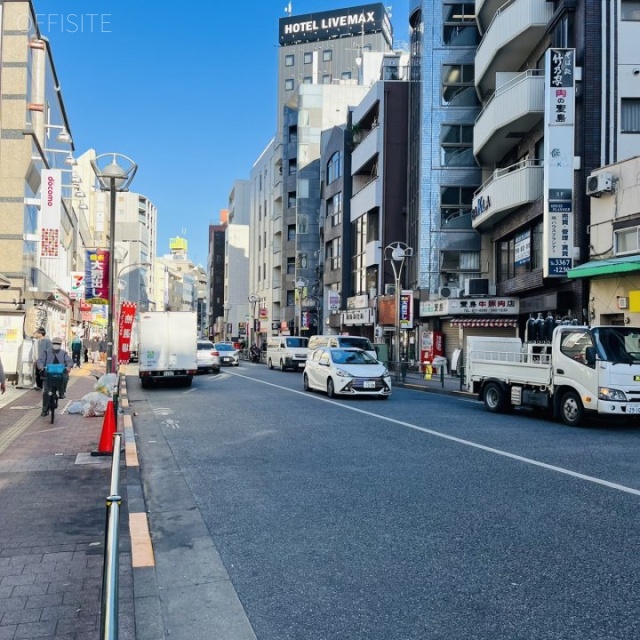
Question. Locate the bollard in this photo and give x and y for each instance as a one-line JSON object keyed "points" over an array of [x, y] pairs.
{"points": [[109, 610], [461, 378], [442, 376], [403, 371]]}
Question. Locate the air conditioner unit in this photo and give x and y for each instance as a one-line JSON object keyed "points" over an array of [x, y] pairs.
{"points": [[600, 183], [449, 292], [389, 289], [623, 302], [477, 287]]}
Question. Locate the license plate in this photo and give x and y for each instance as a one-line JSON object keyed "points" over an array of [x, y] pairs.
{"points": [[632, 408], [369, 384], [167, 373]]}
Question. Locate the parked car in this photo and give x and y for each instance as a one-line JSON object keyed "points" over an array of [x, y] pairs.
{"points": [[208, 357], [350, 372], [228, 353]]}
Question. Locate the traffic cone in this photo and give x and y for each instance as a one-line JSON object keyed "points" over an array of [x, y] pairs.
{"points": [[105, 447]]}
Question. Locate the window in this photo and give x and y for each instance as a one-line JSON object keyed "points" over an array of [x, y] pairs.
{"points": [[333, 251], [326, 78], [293, 134], [292, 167], [334, 167], [630, 115], [334, 210], [291, 266], [457, 146], [291, 200], [627, 241], [289, 61], [327, 55], [288, 85], [630, 10], [291, 298], [455, 201], [520, 254], [346, 75], [459, 25], [307, 80], [457, 86], [291, 232], [308, 57]]}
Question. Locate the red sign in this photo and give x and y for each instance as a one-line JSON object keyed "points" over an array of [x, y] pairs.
{"points": [[127, 315]]}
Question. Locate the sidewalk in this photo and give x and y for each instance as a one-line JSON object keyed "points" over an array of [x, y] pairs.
{"points": [[447, 383], [52, 527]]}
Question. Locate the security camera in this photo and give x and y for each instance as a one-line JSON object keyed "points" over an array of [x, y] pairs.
{"points": [[636, 72]]}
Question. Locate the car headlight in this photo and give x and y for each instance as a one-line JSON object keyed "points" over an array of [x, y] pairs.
{"points": [[385, 373], [604, 393], [343, 374]]}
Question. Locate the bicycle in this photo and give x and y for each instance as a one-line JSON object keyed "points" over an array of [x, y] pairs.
{"points": [[54, 377]]}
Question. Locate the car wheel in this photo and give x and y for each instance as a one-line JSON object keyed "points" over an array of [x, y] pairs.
{"points": [[571, 409], [494, 397], [305, 382], [331, 391], [282, 367], [270, 364]]}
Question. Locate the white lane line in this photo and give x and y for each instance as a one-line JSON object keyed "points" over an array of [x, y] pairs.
{"points": [[467, 443]]}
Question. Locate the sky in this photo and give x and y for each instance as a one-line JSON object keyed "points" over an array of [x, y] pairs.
{"points": [[189, 96]]}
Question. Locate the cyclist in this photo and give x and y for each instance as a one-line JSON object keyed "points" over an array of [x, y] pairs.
{"points": [[54, 355]]}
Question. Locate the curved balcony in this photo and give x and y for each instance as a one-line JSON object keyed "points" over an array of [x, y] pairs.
{"points": [[513, 110], [507, 189], [517, 27], [485, 11]]}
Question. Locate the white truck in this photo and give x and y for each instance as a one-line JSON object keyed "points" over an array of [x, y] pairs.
{"points": [[168, 346], [583, 370]]}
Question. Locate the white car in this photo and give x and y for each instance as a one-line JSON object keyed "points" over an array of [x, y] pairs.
{"points": [[351, 372], [207, 356], [228, 353]]}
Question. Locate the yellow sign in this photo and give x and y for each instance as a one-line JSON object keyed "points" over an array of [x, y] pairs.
{"points": [[634, 301]]}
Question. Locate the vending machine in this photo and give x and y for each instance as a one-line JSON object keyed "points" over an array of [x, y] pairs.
{"points": [[432, 345]]}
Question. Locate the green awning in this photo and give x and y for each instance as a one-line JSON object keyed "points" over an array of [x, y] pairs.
{"points": [[596, 268]]}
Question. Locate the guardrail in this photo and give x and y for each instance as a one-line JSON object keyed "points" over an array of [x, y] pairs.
{"points": [[110, 569]]}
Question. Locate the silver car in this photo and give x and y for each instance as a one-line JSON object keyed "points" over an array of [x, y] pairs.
{"points": [[351, 372], [228, 353], [208, 357]]}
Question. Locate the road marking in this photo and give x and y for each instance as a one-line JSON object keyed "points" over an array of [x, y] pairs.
{"points": [[141, 547], [467, 443], [10, 434]]}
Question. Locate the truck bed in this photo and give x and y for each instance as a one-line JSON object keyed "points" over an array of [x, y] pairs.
{"points": [[533, 368]]}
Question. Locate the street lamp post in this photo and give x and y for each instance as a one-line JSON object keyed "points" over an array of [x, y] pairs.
{"points": [[300, 285], [254, 298], [227, 308], [397, 253], [113, 177]]}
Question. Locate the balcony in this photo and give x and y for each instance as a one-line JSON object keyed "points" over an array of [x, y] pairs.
{"points": [[517, 27], [369, 197], [485, 11], [506, 190], [513, 110], [369, 147]]}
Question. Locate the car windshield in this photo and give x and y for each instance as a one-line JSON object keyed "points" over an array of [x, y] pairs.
{"points": [[618, 344], [351, 356], [205, 346], [296, 343], [221, 346]]}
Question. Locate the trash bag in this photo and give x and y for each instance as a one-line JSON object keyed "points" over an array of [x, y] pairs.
{"points": [[75, 407], [94, 404], [107, 384]]}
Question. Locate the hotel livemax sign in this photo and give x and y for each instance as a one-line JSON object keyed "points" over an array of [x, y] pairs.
{"points": [[324, 25]]}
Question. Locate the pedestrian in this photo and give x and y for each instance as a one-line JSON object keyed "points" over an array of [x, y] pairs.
{"points": [[76, 349], [94, 348], [86, 344], [103, 349], [54, 354], [3, 379], [41, 344]]}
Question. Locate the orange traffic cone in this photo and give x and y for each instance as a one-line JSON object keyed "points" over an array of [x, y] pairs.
{"points": [[105, 447]]}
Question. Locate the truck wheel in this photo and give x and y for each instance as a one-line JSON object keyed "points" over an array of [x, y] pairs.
{"points": [[144, 383], [188, 381], [270, 364], [282, 367], [494, 397], [571, 409]]}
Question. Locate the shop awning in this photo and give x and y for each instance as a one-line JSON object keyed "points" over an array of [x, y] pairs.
{"points": [[596, 268], [484, 322]]}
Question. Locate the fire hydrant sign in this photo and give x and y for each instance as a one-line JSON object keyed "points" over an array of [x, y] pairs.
{"points": [[127, 315]]}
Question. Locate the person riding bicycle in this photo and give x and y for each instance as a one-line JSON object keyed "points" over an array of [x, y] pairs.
{"points": [[255, 353], [54, 354]]}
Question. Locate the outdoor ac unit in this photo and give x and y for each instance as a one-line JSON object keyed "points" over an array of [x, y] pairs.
{"points": [[389, 289], [477, 287], [623, 302], [599, 183], [449, 292]]}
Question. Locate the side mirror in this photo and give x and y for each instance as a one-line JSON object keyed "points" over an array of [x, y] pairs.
{"points": [[590, 356]]}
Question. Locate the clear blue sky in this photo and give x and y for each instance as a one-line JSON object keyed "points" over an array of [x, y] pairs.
{"points": [[192, 98]]}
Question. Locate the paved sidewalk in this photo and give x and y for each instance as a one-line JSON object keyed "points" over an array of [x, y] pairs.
{"points": [[52, 522]]}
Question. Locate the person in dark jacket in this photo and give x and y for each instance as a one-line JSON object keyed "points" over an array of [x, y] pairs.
{"points": [[54, 354], [76, 350]]}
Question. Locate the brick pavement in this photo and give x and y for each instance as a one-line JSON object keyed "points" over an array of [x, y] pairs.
{"points": [[52, 501]]}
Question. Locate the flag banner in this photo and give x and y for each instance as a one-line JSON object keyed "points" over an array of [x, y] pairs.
{"points": [[96, 276], [127, 316], [50, 209]]}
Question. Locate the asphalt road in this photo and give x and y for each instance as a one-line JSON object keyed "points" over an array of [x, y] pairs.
{"points": [[287, 515]]}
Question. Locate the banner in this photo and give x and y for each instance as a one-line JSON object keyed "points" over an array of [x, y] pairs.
{"points": [[127, 316], [96, 276], [50, 207]]}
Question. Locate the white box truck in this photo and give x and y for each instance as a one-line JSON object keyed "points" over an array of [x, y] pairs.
{"points": [[168, 346], [583, 370]]}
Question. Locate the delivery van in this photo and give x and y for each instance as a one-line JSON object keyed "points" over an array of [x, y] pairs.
{"points": [[287, 352], [344, 342]]}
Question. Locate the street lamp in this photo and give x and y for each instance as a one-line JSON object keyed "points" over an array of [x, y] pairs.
{"points": [[254, 298], [300, 285], [227, 308], [113, 177], [397, 253]]}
